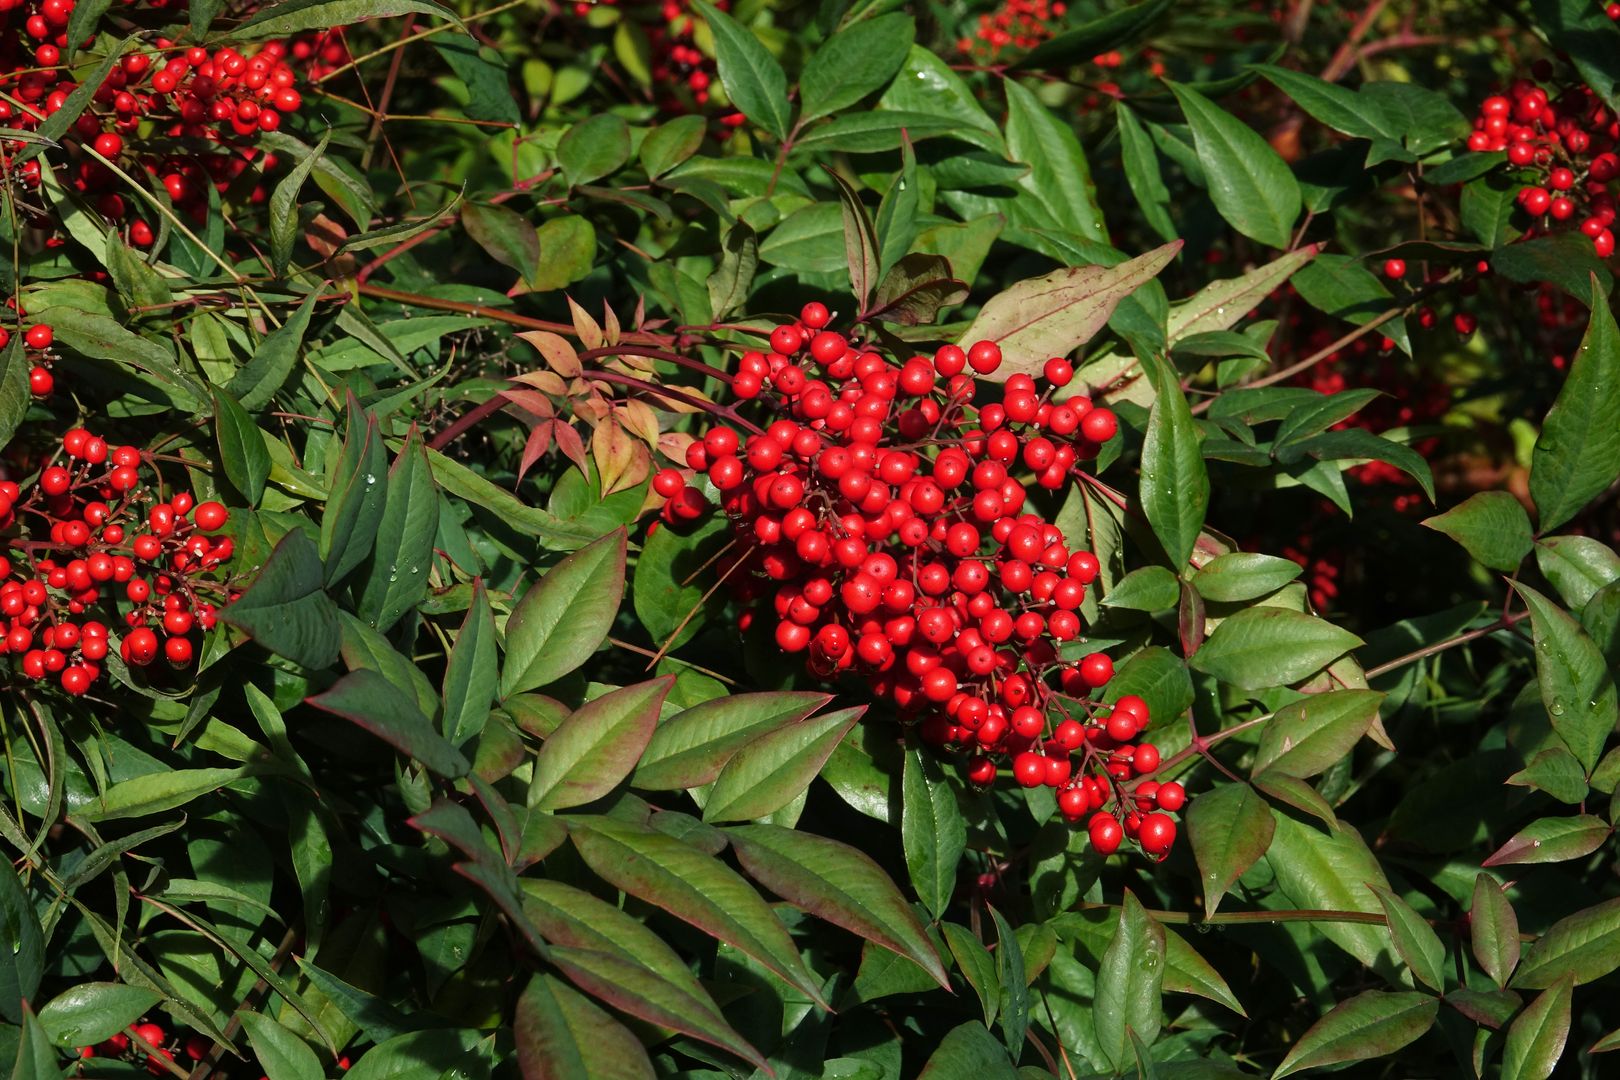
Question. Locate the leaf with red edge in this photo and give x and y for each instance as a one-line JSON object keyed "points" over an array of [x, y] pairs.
{"points": [[374, 703], [773, 770], [1493, 928], [572, 446], [562, 1035], [593, 750], [535, 447], [1053, 315], [1371, 1024], [1535, 1041], [838, 883], [692, 886], [1553, 839], [690, 748]]}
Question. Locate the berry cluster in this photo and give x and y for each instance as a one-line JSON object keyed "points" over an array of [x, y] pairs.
{"points": [[1567, 146], [159, 1060], [93, 529], [1015, 26], [37, 339], [221, 98], [885, 521]]}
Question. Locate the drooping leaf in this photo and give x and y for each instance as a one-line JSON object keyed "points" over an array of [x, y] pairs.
{"points": [[1129, 981], [90, 1012], [242, 453], [354, 509], [282, 1055], [1229, 828], [395, 577], [1249, 183]]}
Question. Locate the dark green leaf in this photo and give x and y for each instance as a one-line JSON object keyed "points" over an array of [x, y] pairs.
{"points": [[472, 673], [1229, 828], [241, 447], [293, 16], [1577, 455], [282, 1055], [1371, 1024], [506, 235], [1493, 930], [483, 71], [595, 748], [1576, 685], [1361, 445], [14, 393], [1264, 647], [1129, 981], [1556, 772], [1013, 976], [1142, 173], [374, 703], [1414, 939], [286, 610], [1313, 734], [1175, 484], [395, 578], [751, 76], [20, 975], [671, 143], [262, 377], [932, 831], [1082, 43], [354, 509], [1250, 185], [968, 1052], [853, 63], [977, 966], [689, 749], [90, 1012], [594, 148], [1491, 525], [1243, 576], [284, 206]]}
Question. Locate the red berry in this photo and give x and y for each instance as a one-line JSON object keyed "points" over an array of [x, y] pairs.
{"points": [[1395, 269]]}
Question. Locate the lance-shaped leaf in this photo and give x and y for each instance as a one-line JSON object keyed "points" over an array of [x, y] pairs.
{"points": [[690, 748], [1249, 183], [838, 883], [692, 886], [1535, 1041], [284, 207], [355, 507], [286, 610], [1576, 686], [860, 242], [371, 701], [1371, 1024], [751, 76], [1577, 455], [21, 974], [595, 748], [395, 578], [1309, 736], [1175, 483], [1129, 981], [1264, 646], [1414, 939], [1585, 944], [1493, 929], [561, 1035], [1229, 828], [563, 618], [933, 833], [1055, 314], [1553, 839], [773, 770]]}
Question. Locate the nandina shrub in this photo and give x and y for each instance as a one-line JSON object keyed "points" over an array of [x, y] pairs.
{"points": [[603, 541]]}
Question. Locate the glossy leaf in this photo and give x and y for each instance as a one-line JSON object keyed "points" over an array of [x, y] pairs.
{"points": [[690, 748], [90, 1012], [395, 578], [1331, 872], [1265, 647], [1372, 1024], [1577, 454], [1229, 828], [286, 610], [1100, 35], [1315, 733], [282, 1055], [1578, 567], [1242, 576], [976, 965], [772, 770], [753, 79], [1576, 685], [1553, 839], [932, 831], [564, 617], [1250, 185], [1493, 929], [20, 976], [293, 16], [593, 148], [1058, 186], [1491, 525], [1338, 107], [284, 206], [593, 750], [562, 1036], [1535, 1041], [472, 673], [241, 447], [1129, 981], [354, 508], [854, 63], [838, 883], [1585, 944], [1414, 939], [1175, 483], [968, 1052]]}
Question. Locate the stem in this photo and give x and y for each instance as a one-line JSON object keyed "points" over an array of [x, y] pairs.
{"points": [[1504, 623], [510, 317]]}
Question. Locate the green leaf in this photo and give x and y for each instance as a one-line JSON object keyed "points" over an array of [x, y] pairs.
{"points": [[472, 673], [595, 748], [1577, 454], [977, 966], [1129, 981], [20, 975], [1084, 42], [282, 1055], [1576, 686], [853, 63], [506, 235], [242, 453], [1339, 108], [567, 252], [15, 396], [1578, 566], [838, 883], [691, 748], [1359, 444], [1013, 976], [1371, 1024], [1059, 178], [437, 1050], [932, 831], [354, 509], [593, 148], [1345, 288], [1175, 484], [1311, 735], [1229, 828], [1585, 944], [561, 1034], [564, 616], [1414, 939], [773, 769], [94, 1011], [483, 71], [1186, 972], [1562, 258], [897, 215], [156, 792], [915, 289], [874, 131], [1493, 929], [395, 577], [1240, 575], [1556, 772], [730, 284], [373, 702], [1535, 1041], [1147, 588], [926, 84], [1491, 525], [286, 610], [1249, 183], [1052, 315], [751, 76], [968, 1052], [1264, 647], [262, 377], [692, 886], [1143, 175], [671, 143], [1330, 872], [1222, 304], [860, 242], [36, 1059], [1585, 34], [284, 207], [1553, 839], [294, 16]]}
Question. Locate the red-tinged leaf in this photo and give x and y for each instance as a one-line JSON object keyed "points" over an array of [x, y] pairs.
{"points": [[564, 617], [559, 353], [1414, 939], [1535, 1041], [1310, 735], [838, 883], [1230, 828], [595, 748], [531, 401], [1586, 945], [633, 989], [535, 447], [689, 749], [562, 1036], [692, 886], [1055, 314], [585, 328], [773, 770], [621, 462], [374, 703], [1553, 839], [454, 824], [1494, 930], [1488, 1008], [1371, 1024], [572, 446]]}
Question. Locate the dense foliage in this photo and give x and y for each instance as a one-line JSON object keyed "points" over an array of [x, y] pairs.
{"points": [[858, 540]]}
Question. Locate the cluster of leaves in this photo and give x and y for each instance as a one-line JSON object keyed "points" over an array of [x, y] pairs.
{"points": [[481, 776]]}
